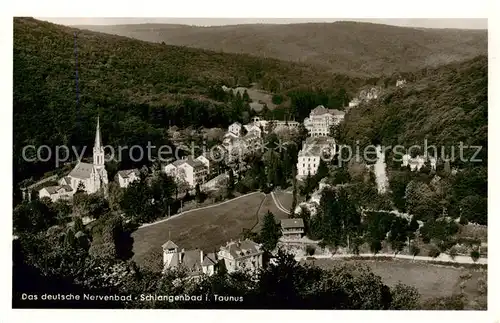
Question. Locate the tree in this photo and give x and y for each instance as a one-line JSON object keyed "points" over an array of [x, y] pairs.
{"points": [[474, 254], [420, 201], [33, 216], [453, 253], [310, 250], [474, 208], [398, 233], [270, 232], [414, 250], [246, 97], [404, 297], [230, 183], [434, 252], [163, 188], [308, 187], [137, 202], [294, 193], [198, 194], [90, 205]]}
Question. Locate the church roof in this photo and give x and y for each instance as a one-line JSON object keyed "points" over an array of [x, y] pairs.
{"points": [[82, 171]]}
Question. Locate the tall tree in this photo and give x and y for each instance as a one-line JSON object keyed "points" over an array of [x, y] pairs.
{"points": [[270, 232]]}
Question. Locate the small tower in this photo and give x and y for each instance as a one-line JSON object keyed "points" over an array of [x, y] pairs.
{"points": [[170, 254]]}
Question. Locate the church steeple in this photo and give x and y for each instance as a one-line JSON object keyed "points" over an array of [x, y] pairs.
{"points": [[98, 141], [98, 148]]}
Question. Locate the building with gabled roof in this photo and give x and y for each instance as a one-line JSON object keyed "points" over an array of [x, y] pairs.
{"points": [[195, 261], [93, 177], [241, 255], [127, 176]]}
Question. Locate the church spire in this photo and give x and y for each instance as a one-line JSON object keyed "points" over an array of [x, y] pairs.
{"points": [[98, 141], [98, 148]]}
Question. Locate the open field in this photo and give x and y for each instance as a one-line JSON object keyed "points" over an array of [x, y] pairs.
{"points": [[206, 229], [430, 280], [269, 205], [258, 97]]}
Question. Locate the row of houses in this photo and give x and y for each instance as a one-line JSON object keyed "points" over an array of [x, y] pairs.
{"points": [[234, 256]]}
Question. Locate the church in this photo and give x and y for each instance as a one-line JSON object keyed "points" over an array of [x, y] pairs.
{"points": [[89, 177]]}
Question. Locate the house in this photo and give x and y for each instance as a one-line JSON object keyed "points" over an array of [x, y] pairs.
{"points": [[321, 120], [91, 177], [241, 255], [204, 159], [400, 83], [418, 162], [354, 103], [125, 177], [313, 150], [251, 127], [57, 192], [292, 228], [193, 171], [235, 128], [195, 261]]}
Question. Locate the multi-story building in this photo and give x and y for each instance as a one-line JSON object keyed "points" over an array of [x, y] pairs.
{"points": [[292, 228], [321, 120], [313, 150], [193, 171], [241, 255]]}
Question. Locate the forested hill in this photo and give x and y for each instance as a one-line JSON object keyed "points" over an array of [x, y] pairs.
{"points": [[139, 88], [345, 47], [445, 105]]}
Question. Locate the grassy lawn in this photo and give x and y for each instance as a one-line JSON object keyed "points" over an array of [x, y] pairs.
{"points": [[269, 205], [205, 229], [430, 280]]}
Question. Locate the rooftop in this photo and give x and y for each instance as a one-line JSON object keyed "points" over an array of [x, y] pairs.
{"points": [[292, 223], [169, 245], [320, 110], [239, 249], [82, 171], [127, 172]]}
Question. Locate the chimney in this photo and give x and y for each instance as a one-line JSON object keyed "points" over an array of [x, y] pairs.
{"points": [[201, 257]]}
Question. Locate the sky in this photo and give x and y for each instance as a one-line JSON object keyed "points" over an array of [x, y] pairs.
{"points": [[460, 23]]}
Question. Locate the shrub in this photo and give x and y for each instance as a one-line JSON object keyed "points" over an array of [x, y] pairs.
{"points": [[434, 252], [310, 250], [463, 220], [453, 253], [474, 254], [415, 250]]}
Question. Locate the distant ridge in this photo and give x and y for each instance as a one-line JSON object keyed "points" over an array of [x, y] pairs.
{"points": [[348, 47]]}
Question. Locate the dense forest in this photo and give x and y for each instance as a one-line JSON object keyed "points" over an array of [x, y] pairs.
{"points": [[447, 107], [355, 48], [137, 88]]}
